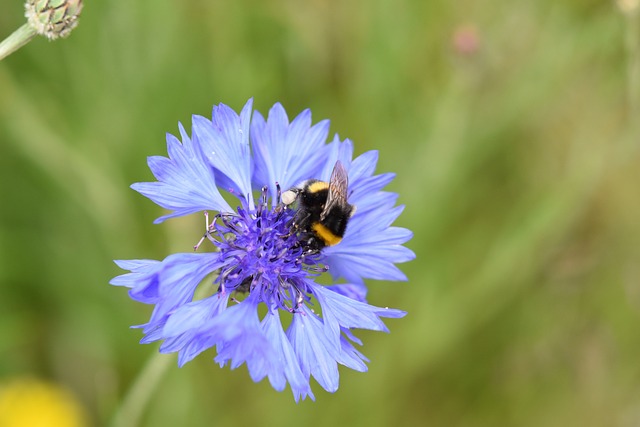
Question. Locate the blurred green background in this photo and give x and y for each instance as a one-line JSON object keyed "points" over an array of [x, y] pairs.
{"points": [[512, 126]]}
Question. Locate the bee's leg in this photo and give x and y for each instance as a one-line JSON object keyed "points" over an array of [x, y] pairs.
{"points": [[288, 197], [311, 246], [296, 221]]}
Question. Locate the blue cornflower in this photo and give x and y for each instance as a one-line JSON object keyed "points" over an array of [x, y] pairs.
{"points": [[259, 258]]}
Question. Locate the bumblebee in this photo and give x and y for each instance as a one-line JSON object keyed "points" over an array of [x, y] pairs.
{"points": [[323, 211]]}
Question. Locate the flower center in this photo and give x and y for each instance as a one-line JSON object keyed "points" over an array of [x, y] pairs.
{"points": [[262, 254]]}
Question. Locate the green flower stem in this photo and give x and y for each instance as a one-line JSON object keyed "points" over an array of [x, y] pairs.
{"points": [[134, 403], [15, 41], [632, 42]]}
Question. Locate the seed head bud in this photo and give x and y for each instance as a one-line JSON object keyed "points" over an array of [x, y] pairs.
{"points": [[53, 18]]}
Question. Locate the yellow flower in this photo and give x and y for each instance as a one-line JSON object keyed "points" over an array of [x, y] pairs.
{"points": [[34, 403]]}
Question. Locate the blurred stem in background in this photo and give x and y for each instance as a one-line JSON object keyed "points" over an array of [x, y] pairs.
{"points": [[132, 406], [50, 18], [629, 9]]}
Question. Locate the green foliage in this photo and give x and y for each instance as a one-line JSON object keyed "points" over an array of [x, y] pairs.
{"points": [[512, 129]]}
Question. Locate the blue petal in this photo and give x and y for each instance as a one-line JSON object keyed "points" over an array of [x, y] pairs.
{"points": [[240, 339], [354, 267], [168, 284], [287, 360], [139, 268], [362, 183], [363, 166], [185, 182], [315, 351], [348, 334], [339, 311], [373, 205], [287, 153], [351, 358], [356, 291], [182, 328], [224, 142], [338, 150], [368, 188], [370, 248]]}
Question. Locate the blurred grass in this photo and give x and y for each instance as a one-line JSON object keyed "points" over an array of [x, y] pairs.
{"points": [[517, 163]]}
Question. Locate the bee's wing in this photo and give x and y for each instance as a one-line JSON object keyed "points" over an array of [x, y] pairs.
{"points": [[337, 189]]}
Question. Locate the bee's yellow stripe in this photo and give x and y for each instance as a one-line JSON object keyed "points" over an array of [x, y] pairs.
{"points": [[317, 186], [325, 234]]}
